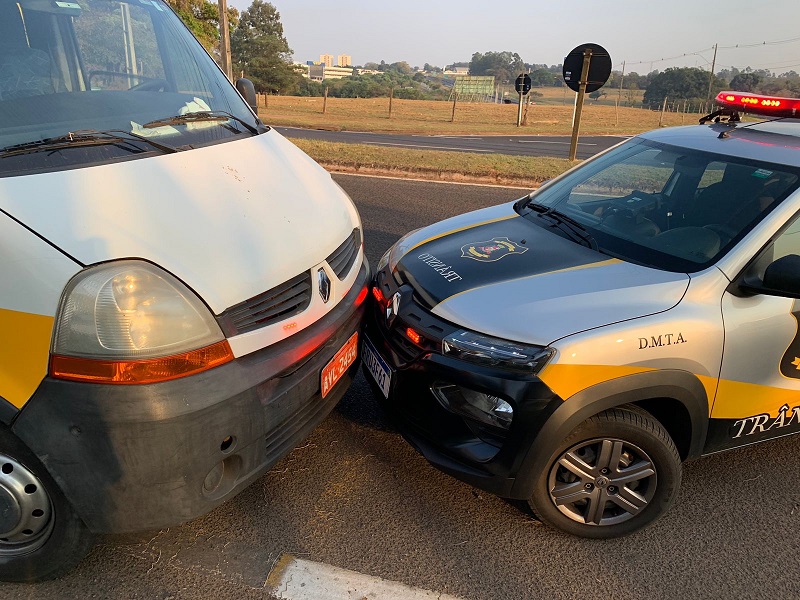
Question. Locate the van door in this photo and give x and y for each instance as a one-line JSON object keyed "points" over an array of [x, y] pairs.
{"points": [[759, 390]]}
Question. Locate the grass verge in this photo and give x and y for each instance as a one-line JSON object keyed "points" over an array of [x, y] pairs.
{"points": [[523, 171]]}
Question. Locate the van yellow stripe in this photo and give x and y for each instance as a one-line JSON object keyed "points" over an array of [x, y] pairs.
{"points": [[24, 352]]}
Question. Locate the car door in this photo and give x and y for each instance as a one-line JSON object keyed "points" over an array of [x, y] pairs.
{"points": [[758, 397]]}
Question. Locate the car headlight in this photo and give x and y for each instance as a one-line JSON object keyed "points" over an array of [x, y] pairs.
{"points": [[495, 352], [132, 322]]}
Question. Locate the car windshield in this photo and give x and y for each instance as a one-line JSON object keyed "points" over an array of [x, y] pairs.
{"points": [[102, 66], [663, 206]]}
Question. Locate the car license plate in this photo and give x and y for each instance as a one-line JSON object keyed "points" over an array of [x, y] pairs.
{"points": [[377, 367], [339, 364]]}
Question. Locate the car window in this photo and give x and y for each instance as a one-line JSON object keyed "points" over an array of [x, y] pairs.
{"points": [[669, 207], [105, 66]]}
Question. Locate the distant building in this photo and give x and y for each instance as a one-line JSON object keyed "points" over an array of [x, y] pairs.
{"points": [[337, 72], [318, 71], [326, 59], [344, 60]]}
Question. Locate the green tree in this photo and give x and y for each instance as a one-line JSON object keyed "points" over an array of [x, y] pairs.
{"points": [[679, 84], [746, 82], [202, 19], [505, 66], [259, 48]]}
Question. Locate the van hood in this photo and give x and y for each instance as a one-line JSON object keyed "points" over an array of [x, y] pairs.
{"points": [[231, 220], [513, 279]]}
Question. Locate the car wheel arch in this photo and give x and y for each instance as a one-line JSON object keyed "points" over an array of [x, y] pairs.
{"points": [[673, 397]]}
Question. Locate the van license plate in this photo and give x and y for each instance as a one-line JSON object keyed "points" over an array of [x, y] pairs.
{"points": [[377, 367], [339, 364]]}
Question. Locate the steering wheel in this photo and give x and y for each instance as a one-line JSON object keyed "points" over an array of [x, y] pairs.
{"points": [[152, 85]]}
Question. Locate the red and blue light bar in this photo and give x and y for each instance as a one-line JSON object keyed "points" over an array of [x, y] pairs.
{"points": [[773, 106]]}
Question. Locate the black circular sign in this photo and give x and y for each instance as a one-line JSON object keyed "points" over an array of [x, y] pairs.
{"points": [[599, 68], [523, 84]]}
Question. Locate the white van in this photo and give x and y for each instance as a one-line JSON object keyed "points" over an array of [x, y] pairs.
{"points": [[181, 289]]}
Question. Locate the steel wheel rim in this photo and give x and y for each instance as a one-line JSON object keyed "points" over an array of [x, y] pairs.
{"points": [[26, 518], [603, 481]]}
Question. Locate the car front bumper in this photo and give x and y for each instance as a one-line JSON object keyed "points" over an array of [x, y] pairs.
{"points": [[488, 458], [138, 457]]}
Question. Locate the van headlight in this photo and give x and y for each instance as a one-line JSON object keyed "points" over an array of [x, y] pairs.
{"points": [[495, 352], [132, 322]]}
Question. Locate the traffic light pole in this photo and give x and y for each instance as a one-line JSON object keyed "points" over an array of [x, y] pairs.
{"points": [[573, 145]]}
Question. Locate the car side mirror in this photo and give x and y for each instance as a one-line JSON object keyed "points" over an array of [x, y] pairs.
{"points": [[248, 91], [781, 278]]}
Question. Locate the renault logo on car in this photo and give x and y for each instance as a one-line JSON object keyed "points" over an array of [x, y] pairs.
{"points": [[324, 285], [393, 309]]}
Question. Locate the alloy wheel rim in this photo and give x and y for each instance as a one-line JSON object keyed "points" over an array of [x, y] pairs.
{"points": [[603, 481], [26, 512]]}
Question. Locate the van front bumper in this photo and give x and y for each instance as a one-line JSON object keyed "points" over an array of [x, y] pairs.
{"points": [[138, 457]]}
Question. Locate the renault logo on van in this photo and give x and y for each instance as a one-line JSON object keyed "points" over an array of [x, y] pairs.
{"points": [[324, 285]]}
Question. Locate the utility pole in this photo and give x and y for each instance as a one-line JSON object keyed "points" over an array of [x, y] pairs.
{"points": [[621, 79], [225, 40], [711, 77]]}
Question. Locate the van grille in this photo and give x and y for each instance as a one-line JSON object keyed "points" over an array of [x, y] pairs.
{"points": [[341, 260], [281, 302]]}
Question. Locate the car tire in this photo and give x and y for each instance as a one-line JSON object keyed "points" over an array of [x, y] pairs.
{"points": [[614, 474], [41, 537]]}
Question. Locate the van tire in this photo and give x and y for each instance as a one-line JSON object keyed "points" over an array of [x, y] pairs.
{"points": [[53, 538], [623, 472]]}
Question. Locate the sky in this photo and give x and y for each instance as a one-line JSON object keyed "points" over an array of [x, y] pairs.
{"points": [[647, 35]]}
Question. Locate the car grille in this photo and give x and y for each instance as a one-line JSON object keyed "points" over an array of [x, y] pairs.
{"points": [[341, 260], [281, 302]]}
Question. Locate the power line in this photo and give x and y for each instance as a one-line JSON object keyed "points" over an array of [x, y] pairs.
{"points": [[775, 43], [734, 47]]}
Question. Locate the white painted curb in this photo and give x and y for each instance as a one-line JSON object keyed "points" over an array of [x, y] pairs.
{"points": [[297, 579]]}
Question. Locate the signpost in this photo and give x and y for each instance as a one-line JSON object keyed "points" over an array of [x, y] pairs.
{"points": [[593, 63], [523, 86]]}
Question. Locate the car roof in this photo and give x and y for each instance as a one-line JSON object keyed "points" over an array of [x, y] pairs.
{"points": [[776, 141]]}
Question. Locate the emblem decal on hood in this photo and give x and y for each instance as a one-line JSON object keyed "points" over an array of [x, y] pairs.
{"points": [[491, 250]]}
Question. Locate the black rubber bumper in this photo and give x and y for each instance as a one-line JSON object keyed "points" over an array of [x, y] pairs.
{"points": [[139, 457], [485, 457]]}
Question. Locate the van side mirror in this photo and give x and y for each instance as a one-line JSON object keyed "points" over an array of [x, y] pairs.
{"points": [[781, 278], [248, 91]]}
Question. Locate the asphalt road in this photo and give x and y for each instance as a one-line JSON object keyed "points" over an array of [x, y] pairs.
{"points": [[522, 145], [355, 495]]}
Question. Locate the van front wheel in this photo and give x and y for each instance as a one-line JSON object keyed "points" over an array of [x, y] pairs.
{"points": [[41, 537], [615, 473]]}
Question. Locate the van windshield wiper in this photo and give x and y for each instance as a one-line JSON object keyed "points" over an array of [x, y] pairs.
{"points": [[83, 137], [573, 228], [200, 117]]}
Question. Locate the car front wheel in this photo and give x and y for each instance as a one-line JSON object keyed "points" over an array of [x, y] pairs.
{"points": [[614, 474], [41, 537]]}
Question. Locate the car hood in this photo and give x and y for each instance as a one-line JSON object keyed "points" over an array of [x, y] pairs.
{"points": [[508, 277], [231, 220]]}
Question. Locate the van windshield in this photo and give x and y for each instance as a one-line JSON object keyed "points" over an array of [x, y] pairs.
{"points": [[122, 69], [662, 206]]}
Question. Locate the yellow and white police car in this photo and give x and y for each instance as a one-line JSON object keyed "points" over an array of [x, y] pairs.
{"points": [[573, 348], [181, 289]]}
